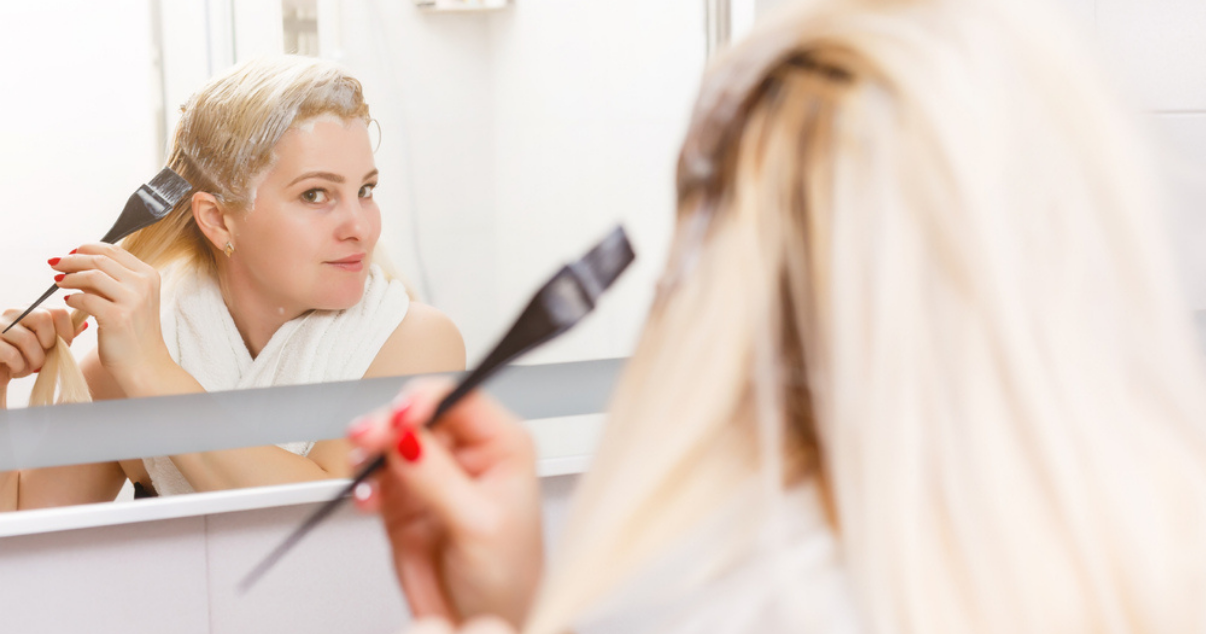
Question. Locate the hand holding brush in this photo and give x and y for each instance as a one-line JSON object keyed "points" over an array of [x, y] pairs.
{"points": [[149, 204]]}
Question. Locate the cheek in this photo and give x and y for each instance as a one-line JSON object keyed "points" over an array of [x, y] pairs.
{"points": [[274, 244]]}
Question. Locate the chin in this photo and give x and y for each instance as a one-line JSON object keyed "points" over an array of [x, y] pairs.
{"points": [[332, 299]]}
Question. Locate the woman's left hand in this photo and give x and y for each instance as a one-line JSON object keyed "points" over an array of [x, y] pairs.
{"points": [[122, 293], [480, 625]]}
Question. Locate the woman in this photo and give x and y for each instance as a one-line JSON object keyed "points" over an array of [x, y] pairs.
{"points": [[271, 281], [917, 365]]}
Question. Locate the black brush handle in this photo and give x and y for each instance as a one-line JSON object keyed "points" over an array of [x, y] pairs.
{"points": [[50, 291]]}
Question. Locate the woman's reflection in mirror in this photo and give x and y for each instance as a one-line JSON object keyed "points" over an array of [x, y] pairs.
{"points": [[265, 275]]}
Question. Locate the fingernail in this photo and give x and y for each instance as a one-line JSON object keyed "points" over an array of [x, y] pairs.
{"points": [[399, 418], [356, 457], [59, 277], [73, 252], [54, 261], [359, 427], [84, 327], [409, 446], [37, 371]]}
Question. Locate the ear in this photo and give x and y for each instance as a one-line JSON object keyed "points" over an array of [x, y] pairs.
{"points": [[212, 219]]}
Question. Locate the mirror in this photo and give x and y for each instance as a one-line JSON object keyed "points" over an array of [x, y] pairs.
{"points": [[507, 141]]}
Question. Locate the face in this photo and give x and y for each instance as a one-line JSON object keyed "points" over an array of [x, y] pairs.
{"points": [[308, 239]]}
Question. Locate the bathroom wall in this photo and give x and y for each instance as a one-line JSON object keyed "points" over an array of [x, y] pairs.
{"points": [[514, 139], [77, 134]]}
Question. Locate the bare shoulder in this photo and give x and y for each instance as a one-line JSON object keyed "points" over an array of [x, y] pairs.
{"points": [[425, 341], [101, 384]]}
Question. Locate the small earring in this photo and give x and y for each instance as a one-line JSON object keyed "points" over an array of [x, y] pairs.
{"points": [[229, 249]]}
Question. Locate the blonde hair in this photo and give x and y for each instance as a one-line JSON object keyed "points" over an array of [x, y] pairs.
{"points": [[223, 142], [925, 227]]}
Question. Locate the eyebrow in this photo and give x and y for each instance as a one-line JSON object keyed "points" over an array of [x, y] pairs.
{"points": [[328, 176]]}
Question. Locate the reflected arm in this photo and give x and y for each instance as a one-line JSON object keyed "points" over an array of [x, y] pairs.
{"points": [[426, 341], [210, 470]]}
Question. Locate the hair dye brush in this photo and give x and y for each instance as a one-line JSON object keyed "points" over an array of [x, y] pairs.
{"points": [[557, 306], [146, 206]]}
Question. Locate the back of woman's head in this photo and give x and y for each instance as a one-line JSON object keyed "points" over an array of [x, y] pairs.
{"points": [[918, 266], [224, 141]]}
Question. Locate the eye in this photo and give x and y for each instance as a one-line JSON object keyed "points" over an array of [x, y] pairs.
{"points": [[366, 191], [316, 196]]}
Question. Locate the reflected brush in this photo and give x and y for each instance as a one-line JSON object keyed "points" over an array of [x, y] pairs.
{"points": [[149, 204], [562, 302]]}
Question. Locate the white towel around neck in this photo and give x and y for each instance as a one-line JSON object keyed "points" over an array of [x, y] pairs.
{"points": [[317, 347]]}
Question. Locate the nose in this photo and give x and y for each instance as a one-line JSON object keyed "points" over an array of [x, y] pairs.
{"points": [[353, 223]]}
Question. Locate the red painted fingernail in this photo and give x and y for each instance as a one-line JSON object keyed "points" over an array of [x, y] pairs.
{"points": [[73, 252], [399, 417], [84, 327], [409, 446], [38, 370], [59, 277], [54, 261]]}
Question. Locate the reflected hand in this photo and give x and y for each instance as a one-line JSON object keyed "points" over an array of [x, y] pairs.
{"points": [[23, 349], [461, 504], [122, 292]]}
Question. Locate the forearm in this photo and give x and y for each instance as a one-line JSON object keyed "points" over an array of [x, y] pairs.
{"points": [[161, 377], [51, 487], [9, 481], [215, 470], [249, 467]]}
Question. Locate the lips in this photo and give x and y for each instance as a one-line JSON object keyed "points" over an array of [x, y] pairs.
{"points": [[353, 263]]}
